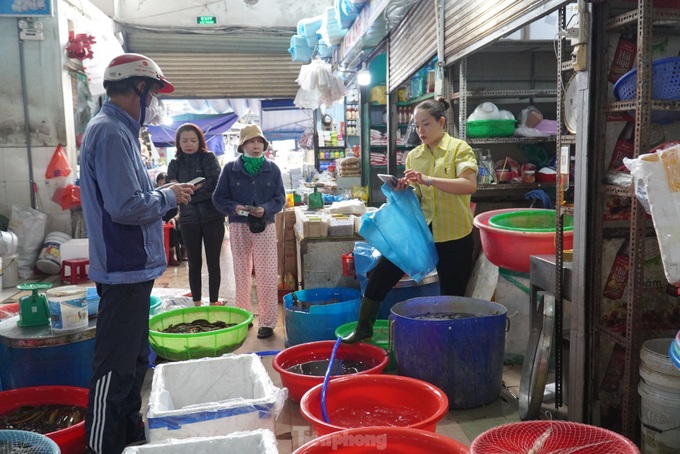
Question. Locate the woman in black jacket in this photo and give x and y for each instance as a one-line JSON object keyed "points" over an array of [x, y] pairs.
{"points": [[199, 221]]}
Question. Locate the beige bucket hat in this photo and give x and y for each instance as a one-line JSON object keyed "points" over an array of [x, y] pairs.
{"points": [[250, 132]]}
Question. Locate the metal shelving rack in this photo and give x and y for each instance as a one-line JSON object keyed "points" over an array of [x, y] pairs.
{"points": [[642, 18], [463, 94]]}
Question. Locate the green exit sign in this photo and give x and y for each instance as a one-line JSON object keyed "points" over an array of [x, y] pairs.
{"points": [[206, 20]]}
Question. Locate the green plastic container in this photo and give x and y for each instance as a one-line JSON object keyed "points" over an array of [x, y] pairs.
{"points": [[181, 347], [381, 338], [538, 220], [491, 128]]}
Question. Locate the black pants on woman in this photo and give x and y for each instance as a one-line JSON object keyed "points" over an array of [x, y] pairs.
{"points": [[211, 234], [454, 268]]}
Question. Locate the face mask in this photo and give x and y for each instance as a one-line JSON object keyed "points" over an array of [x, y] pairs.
{"points": [[152, 113]]}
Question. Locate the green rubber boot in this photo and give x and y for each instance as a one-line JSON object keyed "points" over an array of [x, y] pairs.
{"points": [[367, 316]]}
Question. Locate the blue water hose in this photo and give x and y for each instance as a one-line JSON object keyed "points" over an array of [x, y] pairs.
{"points": [[326, 379]]}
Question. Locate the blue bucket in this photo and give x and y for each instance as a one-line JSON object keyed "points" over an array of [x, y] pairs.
{"points": [[463, 357], [316, 320], [67, 364], [38, 356]]}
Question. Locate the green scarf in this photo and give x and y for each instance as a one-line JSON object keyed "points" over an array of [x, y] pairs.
{"points": [[252, 165]]}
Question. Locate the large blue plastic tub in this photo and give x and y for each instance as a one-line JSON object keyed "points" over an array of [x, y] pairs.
{"points": [[68, 364], [463, 357], [316, 319]]}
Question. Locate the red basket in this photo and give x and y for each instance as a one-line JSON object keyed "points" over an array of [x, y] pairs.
{"points": [[543, 437], [348, 265]]}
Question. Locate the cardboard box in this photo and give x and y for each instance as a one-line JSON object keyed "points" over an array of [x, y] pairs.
{"points": [[289, 224], [211, 397], [278, 221], [289, 258]]}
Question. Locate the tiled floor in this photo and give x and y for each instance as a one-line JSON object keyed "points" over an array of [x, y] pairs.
{"points": [[292, 429]]}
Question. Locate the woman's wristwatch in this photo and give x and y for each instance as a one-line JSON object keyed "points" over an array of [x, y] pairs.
{"points": [[428, 182]]}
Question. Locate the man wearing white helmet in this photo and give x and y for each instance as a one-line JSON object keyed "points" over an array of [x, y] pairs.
{"points": [[123, 215]]}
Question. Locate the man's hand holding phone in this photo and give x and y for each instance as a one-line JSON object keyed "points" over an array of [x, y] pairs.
{"points": [[197, 181]]}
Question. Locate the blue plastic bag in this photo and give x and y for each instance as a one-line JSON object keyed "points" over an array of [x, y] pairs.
{"points": [[365, 258], [398, 230]]}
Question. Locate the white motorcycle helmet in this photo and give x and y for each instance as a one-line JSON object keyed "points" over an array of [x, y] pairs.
{"points": [[136, 65]]}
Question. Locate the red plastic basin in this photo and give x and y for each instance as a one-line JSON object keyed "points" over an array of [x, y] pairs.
{"points": [[70, 440], [511, 249], [375, 400], [395, 440], [298, 384]]}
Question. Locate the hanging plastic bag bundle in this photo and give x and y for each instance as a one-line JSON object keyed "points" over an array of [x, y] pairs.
{"points": [[399, 231]]}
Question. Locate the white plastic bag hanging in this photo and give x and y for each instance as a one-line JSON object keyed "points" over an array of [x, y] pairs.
{"points": [[657, 177]]}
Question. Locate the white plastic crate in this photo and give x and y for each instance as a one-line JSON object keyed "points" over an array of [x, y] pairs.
{"points": [[211, 397]]}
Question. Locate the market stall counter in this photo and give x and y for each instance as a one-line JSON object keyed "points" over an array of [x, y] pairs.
{"points": [[319, 260]]}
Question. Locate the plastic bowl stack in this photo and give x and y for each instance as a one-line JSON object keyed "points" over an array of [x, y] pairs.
{"points": [[488, 121], [509, 241], [185, 346]]}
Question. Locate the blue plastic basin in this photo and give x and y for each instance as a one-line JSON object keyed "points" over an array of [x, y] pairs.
{"points": [[318, 319]]}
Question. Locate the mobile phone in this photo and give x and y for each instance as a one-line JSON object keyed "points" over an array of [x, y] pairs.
{"points": [[197, 181], [250, 207], [386, 178], [242, 212]]}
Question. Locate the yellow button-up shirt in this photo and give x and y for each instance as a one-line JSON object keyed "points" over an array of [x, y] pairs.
{"points": [[449, 214]]}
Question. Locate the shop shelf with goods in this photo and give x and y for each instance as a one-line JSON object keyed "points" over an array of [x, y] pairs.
{"points": [[527, 82], [329, 139], [387, 123], [628, 295]]}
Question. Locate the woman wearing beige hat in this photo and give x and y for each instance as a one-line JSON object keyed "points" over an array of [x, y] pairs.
{"points": [[250, 192]]}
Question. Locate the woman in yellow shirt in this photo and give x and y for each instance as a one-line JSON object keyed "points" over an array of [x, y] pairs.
{"points": [[443, 171]]}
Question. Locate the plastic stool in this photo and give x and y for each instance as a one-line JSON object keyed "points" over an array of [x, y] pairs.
{"points": [[77, 268]]}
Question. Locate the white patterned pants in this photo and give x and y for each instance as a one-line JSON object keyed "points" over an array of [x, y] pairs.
{"points": [[256, 251]]}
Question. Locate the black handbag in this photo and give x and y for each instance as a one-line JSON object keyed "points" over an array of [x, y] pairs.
{"points": [[255, 224]]}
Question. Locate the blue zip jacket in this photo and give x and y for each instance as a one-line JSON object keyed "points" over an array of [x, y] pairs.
{"points": [[238, 187], [122, 209]]}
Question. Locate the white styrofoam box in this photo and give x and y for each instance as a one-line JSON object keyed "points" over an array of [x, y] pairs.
{"points": [[75, 249], [311, 224], [212, 396], [341, 226], [261, 441], [656, 180]]}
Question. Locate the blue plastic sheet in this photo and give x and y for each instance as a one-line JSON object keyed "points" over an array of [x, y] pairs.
{"points": [[399, 231]]}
